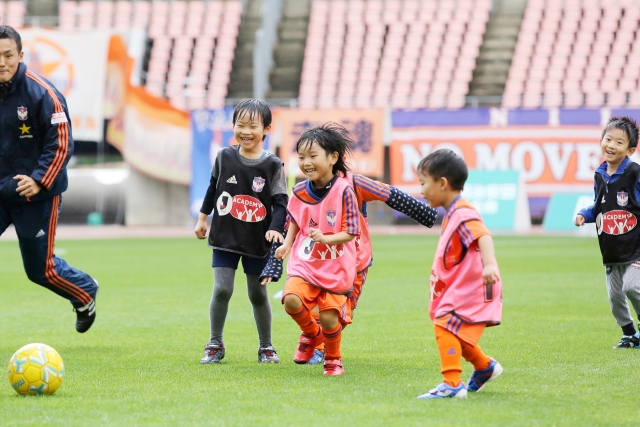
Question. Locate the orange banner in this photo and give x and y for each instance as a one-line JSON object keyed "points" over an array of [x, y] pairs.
{"points": [[152, 135], [550, 159], [366, 127], [119, 65]]}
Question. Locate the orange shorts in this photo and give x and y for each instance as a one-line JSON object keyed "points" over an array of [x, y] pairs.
{"points": [[467, 332], [358, 284], [312, 297]]}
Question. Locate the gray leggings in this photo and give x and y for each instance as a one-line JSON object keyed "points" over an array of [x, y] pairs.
{"points": [[222, 291], [623, 281]]}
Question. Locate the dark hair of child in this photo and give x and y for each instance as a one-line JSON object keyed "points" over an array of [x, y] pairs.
{"points": [[331, 137], [447, 164], [626, 125], [252, 109]]}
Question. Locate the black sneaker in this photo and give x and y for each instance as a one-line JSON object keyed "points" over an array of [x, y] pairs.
{"points": [[213, 354], [85, 316], [268, 355], [629, 341]]}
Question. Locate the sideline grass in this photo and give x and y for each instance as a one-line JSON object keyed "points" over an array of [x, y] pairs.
{"points": [[138, 365]]}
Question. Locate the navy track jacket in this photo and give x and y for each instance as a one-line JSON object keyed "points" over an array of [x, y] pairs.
{"points": [[35, 136]]}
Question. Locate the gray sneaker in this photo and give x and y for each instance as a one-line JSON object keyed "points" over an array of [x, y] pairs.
{"points": [[213, 354], [268, 355]]}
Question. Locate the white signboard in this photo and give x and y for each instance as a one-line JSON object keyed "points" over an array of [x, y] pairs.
{"points": [[76, 64]]}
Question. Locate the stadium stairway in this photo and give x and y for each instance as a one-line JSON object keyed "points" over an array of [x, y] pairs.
{"points": [[241, 83], [42, 8], [289, 52], [492, 66]]}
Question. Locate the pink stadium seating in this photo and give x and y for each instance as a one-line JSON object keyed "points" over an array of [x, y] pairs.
{"points": [[587, 45], [393, 50], [193, 41]]}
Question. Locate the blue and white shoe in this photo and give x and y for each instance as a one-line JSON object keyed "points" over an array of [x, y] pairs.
{"points": [[444, 391], [317, 358], [480, 378]]}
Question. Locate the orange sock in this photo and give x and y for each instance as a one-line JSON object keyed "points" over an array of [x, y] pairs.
{"points": [[304, 319], [316, 317], [475, 355], [450, 355], [332, 338]]}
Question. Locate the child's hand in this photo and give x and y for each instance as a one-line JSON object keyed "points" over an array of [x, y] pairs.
{"points": [[317, 235], [265, 281], [282, 252], [201, 229], [490, 274], [274, 236], [579, 221]]}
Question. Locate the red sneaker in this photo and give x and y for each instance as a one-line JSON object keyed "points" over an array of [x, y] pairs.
{"points": [[333, 367], [306, 346]]}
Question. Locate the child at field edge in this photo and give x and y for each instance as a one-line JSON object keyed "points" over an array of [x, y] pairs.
{"points": [[321, 240], [249, 190], [617, 201], [466, 290]]}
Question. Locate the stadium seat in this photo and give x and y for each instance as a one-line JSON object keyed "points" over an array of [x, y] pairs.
{"points": [[172, 26], [86, 15], [67, 15], [401, 54], [593, 46]]}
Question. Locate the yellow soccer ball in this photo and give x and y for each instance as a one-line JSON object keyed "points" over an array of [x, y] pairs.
{"points": [[36, 369]]}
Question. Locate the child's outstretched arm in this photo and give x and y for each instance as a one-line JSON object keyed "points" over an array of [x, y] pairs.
{"points": [[490, 271], [418, 211], [369, 190]]}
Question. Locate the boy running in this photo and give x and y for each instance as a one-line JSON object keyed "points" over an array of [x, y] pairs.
{"points": [[466, 290], [616, 211]]}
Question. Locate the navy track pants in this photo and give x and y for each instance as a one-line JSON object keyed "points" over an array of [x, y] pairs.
{"points": [[35, 223]]}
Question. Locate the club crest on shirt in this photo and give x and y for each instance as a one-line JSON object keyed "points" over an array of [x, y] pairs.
{"points": [[23, 114], [258, 184], [623, 198], [331, 217]]}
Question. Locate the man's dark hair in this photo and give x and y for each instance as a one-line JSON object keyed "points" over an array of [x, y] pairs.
{"points": [[626, 125], [7, 32], [447, 164]]}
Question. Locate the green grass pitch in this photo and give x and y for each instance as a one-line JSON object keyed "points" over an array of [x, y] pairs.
{"points": [[138, 365]]}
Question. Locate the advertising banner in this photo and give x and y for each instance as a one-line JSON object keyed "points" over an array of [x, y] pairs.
{"points": [[555, 151], [157, 137], [76, 65], [562, 210], [366, 127], [211, 130], [500, 199]]}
